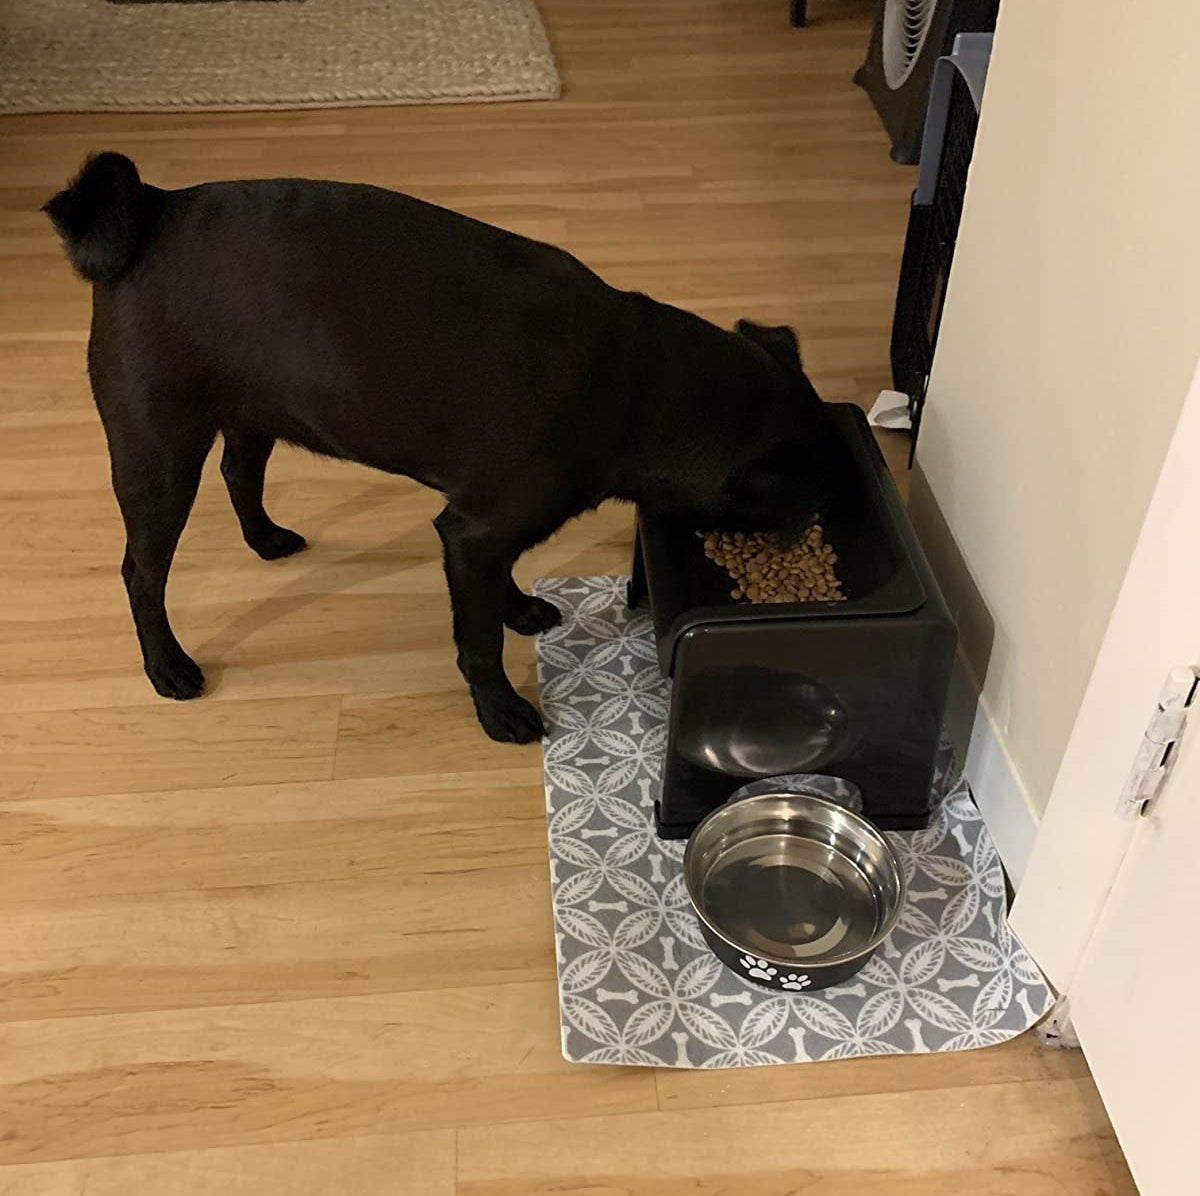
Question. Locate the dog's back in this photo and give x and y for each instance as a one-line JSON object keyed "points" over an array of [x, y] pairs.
{"points": [[349, 319]]}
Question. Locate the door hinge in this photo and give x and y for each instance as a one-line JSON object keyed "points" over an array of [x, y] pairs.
{"points": [[1156, 755]]}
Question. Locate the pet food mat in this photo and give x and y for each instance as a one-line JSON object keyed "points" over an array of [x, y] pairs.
{"points": [[636, 982]]}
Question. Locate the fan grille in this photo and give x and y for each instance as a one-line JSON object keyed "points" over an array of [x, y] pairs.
{"points": [[905, 27]]}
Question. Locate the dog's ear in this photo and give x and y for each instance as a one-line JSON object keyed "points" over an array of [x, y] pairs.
{"points": [[780, 342]]}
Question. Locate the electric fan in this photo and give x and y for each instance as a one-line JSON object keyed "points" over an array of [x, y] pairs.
{"points": [[907, 38]]}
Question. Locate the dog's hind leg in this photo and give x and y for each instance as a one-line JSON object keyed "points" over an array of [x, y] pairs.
{"points": [[155, 478], [244, 468], [527, 614], [478, 569]]}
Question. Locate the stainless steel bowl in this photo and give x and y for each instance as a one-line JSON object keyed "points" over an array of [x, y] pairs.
{"points": [[793, 891]]}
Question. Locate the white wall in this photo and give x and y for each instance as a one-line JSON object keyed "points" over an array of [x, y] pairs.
{"points": [[1070, 331]]}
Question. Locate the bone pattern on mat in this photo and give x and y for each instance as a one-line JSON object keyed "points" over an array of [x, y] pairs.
{"points": [[638, 985]]}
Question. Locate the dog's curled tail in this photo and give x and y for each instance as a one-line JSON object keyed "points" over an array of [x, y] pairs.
{"points": [[101, 216]]}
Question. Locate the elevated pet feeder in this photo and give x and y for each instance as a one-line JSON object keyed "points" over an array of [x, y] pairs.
{"points": [[852, 689]]}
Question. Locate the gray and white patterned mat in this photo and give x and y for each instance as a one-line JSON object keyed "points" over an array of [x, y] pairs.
{"points": [[637, 985]]}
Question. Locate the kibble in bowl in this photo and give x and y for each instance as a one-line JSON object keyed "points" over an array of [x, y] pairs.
{"points": [[761, 569]]}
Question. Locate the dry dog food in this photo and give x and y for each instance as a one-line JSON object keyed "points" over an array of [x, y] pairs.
{"points": [[763, 570]]}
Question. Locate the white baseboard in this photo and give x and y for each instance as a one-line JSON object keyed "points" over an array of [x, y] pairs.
{"points": [[995, 783]]}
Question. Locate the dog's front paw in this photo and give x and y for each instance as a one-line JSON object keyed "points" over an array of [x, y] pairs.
{"points": [[176, 675], [278, 542], [510, 719], [531, 615]]}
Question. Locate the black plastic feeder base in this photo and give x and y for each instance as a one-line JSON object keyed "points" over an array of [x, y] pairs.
{"points": [[854, 689]]}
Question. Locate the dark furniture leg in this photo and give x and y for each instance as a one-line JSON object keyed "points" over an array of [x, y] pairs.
{"points": [[799, 13]]}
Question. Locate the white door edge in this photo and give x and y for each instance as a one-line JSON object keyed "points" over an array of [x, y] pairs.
{"points": [[1081, 841]]}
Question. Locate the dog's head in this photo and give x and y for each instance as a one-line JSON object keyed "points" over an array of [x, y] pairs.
{"points": [[785, 488], [792, 479]]}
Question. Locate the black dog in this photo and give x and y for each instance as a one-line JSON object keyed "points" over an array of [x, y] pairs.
{"points": [[367, 325]]}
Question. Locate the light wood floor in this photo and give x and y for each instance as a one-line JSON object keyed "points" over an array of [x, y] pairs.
{"points": [[295, 938]]}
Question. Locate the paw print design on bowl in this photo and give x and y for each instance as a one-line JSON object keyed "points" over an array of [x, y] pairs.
{"points": [[758, 968], [795, 982]]}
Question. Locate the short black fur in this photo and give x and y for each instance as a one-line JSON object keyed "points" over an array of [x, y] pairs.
{"points": [[370, 326]]}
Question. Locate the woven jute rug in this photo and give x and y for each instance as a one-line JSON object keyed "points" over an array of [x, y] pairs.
{"points": [[88, 55]]}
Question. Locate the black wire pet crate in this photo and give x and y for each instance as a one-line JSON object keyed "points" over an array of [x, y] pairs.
{"points": [[934, 216]]}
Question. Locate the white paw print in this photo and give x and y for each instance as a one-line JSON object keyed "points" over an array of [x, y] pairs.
{"points": [[758, 968], [792, 981]]}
